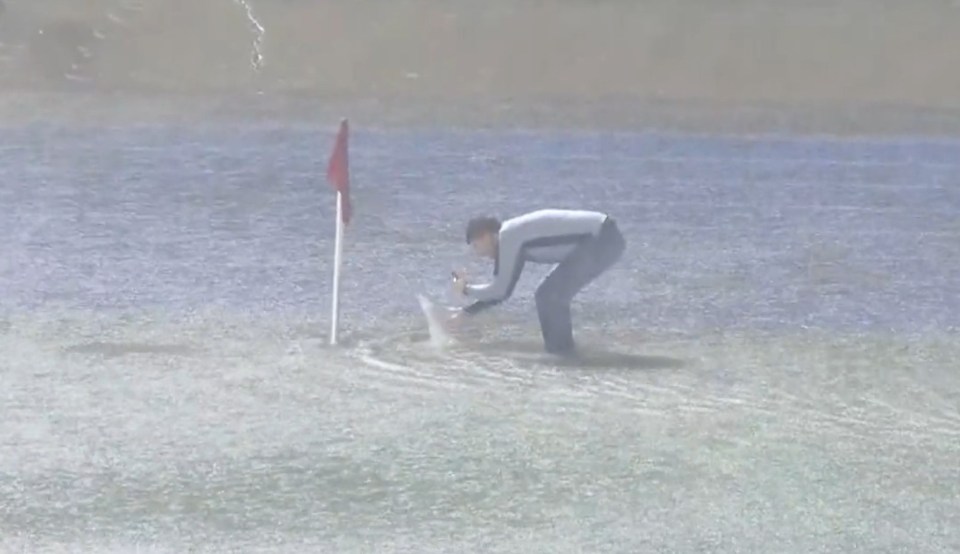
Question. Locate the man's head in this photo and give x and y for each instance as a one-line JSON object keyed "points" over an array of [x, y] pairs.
{"points": [[482, 234]]}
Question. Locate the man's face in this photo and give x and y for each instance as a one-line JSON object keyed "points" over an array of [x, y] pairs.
{"points": [[485, 245]]}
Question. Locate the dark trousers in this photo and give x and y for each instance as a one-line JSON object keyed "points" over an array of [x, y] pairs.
{"points": [[584, 264]]}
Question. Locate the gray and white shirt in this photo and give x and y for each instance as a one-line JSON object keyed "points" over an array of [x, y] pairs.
{"points": [[542, 237]]}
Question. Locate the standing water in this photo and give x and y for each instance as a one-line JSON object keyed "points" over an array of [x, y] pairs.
{"points": [[770, 368]]}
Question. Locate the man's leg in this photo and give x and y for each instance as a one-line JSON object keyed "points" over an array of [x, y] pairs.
{"points": [[555, 322], [582, 266]]}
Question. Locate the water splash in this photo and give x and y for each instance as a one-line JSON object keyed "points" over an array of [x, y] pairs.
{"points": [[439, 337], [256, 58]]}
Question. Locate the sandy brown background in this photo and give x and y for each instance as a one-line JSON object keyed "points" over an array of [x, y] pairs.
{"points": [[841, 66]]}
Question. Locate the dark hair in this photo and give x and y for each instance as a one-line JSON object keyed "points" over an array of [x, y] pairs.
{"points": [[480, 225]]}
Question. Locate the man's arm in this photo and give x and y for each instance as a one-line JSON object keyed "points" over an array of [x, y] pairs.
{"points": [[488, 295]]}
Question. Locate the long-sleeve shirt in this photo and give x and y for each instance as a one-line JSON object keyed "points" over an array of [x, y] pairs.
{"points": [[543, 237]]}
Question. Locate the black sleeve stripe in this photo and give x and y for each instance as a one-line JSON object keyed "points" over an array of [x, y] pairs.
{"points": [[517, 270], [543, 242], [481, 305], [557, 240]]}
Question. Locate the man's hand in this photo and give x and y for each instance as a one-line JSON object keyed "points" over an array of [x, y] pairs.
{"points": [[459, 283]]}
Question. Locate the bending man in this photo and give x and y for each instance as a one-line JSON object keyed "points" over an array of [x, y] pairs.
{"points": [[582, 244]]}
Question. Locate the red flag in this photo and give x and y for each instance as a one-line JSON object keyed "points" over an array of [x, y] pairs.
{"points": [[338, 171]]}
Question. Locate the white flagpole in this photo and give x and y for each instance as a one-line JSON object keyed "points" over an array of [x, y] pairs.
{"points": [[337, 255]]}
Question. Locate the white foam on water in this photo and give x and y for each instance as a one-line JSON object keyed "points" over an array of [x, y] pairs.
{"points": [[439, 337]]}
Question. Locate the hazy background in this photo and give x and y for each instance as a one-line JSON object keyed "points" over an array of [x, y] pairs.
{"points": [[840, 66]]}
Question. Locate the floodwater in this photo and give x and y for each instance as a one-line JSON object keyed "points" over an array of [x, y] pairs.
{"points": [[772, 367]]}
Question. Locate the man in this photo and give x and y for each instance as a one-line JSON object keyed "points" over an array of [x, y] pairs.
{"points": [[583, 244]]}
